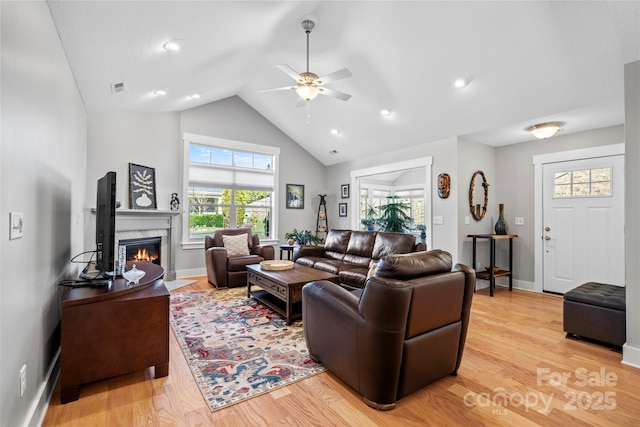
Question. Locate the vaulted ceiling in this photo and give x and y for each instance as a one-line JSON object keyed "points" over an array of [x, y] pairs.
{"points": [[525, 62]]}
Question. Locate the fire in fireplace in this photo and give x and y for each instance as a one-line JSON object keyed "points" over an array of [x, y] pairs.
{"points": [[143, 249]]}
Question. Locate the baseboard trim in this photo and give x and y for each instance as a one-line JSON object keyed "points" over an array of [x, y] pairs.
{"points": [[193, 272], [630, 356], [40, 406]]}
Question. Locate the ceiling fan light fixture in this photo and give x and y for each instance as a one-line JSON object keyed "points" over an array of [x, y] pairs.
{"points": [[544, 130], [307, 91], [386, 112]]}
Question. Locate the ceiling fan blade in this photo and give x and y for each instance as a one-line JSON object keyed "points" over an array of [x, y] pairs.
{"points": [[278, 88], [336, 75], [289, 71], [334, 93]]}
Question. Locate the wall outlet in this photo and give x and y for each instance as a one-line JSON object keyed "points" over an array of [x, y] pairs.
{"points": [[467, 220], [23, 379]]}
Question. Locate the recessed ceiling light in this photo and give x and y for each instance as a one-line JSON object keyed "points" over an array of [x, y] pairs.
{"points": [[160, 92], [194, 96], [173, 45], [335, 132], [460, 82], [385, 112]]}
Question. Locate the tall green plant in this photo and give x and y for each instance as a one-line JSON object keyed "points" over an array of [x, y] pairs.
{"points": [[394, 216]]}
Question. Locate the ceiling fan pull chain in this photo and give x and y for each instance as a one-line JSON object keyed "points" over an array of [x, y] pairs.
{"points": [[308, 112]]}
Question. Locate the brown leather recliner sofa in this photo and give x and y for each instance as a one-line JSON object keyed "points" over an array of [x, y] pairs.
{"points": [[404, 330], [350, 254], [231, 271]]}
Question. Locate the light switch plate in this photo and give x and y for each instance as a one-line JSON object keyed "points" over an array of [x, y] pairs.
{"points": [[15, 222], [438, 220], [519, 220]]}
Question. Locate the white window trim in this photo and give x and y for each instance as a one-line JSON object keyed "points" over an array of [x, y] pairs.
{"points": [[189, 138], [426, 162]]}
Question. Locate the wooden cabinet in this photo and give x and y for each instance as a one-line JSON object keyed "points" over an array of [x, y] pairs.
{"points": [[114, 330]]}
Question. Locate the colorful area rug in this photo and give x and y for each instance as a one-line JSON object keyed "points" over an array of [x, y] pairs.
{"points": [[237, 348]]}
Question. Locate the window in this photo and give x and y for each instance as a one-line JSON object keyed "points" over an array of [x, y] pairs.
{"points": [[230, 184], [583, 183]]}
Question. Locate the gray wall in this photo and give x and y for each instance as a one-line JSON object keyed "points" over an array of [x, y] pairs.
{"points": [[155, 139], [444, 160], [42, 175], [514, 185], [631, 349], [233, 119]]}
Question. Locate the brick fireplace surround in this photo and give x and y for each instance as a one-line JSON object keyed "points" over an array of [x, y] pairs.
{"points": [[138, 223]]}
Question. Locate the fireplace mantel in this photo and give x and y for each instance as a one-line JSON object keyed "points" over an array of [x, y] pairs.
{"points": [[142, 220]]}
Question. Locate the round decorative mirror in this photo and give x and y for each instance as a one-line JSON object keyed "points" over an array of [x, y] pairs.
{"points": [[478, 191]]}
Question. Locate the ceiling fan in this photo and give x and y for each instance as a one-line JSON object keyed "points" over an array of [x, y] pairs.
{"points": [[309, 85]]}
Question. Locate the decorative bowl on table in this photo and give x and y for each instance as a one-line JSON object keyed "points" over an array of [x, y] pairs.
{"points": [[134, 275], [276, 265]]}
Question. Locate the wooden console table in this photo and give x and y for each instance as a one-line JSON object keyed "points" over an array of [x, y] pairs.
{"points": [[113, 330], [492, 273]]}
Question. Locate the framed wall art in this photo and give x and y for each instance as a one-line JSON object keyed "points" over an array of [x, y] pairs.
{"points": [[342, 209], [295, 196], [142, 187], [344, 191]]}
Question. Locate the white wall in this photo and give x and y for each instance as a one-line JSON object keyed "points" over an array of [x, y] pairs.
{"points": [[42, 175]]}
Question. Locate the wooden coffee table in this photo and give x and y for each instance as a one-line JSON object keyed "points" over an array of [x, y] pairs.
{"points": [[281, 290]]}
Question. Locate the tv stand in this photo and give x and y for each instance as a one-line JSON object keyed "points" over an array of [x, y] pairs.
{"points": [[113, 330]]}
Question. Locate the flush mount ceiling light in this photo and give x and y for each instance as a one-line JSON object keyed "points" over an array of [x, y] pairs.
{"points": [[385, 112], [335, 132], [309, 85], [172, 45], [544, 130], [194, 96], [160, 92]]}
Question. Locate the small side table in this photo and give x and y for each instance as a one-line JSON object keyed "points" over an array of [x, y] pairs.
{"points": [[288, 249], [493, 273]]}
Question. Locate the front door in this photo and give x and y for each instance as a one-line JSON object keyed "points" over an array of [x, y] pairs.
{"points": [[583, 222]]}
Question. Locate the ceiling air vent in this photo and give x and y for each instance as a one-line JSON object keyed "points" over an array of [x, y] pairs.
{"points": [[117, 87]]}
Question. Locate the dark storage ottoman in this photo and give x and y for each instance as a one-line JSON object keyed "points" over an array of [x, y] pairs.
{"points": [[596, 311]]}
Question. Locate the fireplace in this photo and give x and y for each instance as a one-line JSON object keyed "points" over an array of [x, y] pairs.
{"points": [[140, 249], [142, 224]]}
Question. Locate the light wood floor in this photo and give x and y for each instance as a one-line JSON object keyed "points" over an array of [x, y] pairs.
{"points": [[511, 374]]}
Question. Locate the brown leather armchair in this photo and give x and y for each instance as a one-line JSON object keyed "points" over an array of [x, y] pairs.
{"points": [[231, 271], [404, 330]]}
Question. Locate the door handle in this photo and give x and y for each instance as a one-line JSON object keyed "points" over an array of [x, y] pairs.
{"points": [[547, 237], [547, 229]]}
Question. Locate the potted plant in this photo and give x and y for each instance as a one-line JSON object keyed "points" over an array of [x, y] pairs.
{"points": [[370, 215], [393, 215], [303, 237]]}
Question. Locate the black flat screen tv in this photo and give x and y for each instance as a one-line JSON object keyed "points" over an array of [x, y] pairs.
{"points": [[106, 225]]}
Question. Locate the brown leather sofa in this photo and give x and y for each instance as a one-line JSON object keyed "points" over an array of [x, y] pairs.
{"points": [[231, 271], [350, 254], [404, 330]]}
